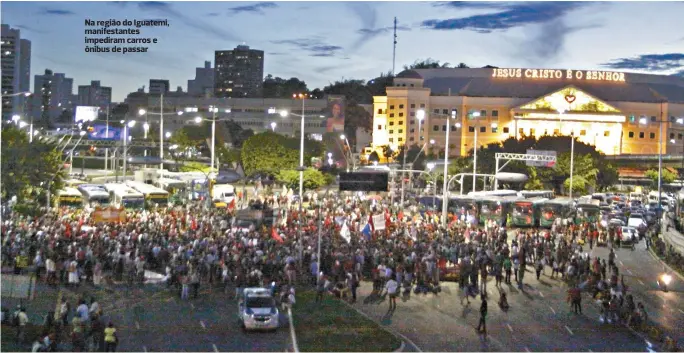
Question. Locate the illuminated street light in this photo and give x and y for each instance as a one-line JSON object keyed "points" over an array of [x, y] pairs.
{"points": [[198, 119], [283, 113], [168, 134], [273, 125], [142, 112]]}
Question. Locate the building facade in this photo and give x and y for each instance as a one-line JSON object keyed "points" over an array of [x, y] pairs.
{"points": [[16, 72], [94, 95], [619, 113], [52, 96], [159, 87], [239, 73], [203, 84]]}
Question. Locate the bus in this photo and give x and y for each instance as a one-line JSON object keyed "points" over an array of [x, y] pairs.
{"points": [[526, 212], [69, 197], [528, 194], [154, 196], [121, 195], [562, 208], [177, 189], [463, 206], [94, 195], [500, 193], [492, 208], [588, 211]]}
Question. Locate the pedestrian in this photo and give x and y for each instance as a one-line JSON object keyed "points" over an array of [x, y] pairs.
{"points": [[507, 268], [110, 337], [195, 282], [22, 320], [320, 288], [539, 267], [482, 325], [185, 289], [391, 287]]}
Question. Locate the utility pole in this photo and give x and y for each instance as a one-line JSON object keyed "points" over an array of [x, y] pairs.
{"points": [[394, 50]]}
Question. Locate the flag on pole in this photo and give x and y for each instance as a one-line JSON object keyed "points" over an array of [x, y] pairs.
{"points": [[232, 204], [345, 233], [275, 235], [367, 231]]}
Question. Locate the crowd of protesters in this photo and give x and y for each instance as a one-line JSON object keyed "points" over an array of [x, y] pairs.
{"points": [[193, 246]]}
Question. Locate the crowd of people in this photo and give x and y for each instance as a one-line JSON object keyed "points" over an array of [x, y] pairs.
{"points": [[192, 246]]}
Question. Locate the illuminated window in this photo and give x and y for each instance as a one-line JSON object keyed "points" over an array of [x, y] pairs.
{"points": [[632, 118], [435, 128], [483, 129], [521, 131], [401, 106], [472, 129], [641, 135], [631, 134], [606, 133], [652, 135], [556, 132], [531, 132], [583, 132], [505, 130]]}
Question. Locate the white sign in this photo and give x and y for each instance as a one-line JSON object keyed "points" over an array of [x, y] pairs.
{"points": [[86, 114], [540, 163], [379, 221]]}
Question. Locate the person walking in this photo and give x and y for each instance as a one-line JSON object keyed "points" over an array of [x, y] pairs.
{"points": [[391, 287], [482, 325], [22, 320], [110, 337], [507, 268]]}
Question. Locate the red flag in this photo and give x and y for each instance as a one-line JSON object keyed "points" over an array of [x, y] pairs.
{"points": [[232, 204], [400, 216], [276, 236]]}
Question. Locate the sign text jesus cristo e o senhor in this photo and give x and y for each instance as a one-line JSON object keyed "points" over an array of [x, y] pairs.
{"points": [[544, 74]]}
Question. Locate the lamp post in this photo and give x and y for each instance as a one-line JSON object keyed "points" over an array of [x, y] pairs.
{"points": [[475, 115], [644, 121], [284, 113], [161, 127], [351, 155], [445, 196], [126, 125], [420, 115], [146, 127], [61, 166], [213, 120], [430, 166], [273, 126]]}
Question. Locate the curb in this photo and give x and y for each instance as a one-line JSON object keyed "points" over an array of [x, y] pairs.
{"points": [[650, 251], [293, 336], [398, 335]]}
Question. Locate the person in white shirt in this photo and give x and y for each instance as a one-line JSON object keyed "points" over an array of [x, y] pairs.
{"points": [[391, 287]]}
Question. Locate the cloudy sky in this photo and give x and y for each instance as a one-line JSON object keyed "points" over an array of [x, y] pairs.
{"points": [[321, 42]]}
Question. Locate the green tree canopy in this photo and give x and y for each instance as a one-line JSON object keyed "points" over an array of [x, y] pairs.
{"points": [[667, 176], [269, 153], [276, 87], [28, 168], [428, 63], [313, 179]]}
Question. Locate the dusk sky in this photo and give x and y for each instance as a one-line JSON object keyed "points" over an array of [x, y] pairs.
{"points": [[321, 42]]}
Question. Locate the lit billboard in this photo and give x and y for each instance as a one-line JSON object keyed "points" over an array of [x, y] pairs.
{"points": [[335, 114], [86, 114], [101, 132]]}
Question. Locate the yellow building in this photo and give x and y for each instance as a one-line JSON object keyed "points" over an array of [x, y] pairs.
{"points": [[618, 112]]}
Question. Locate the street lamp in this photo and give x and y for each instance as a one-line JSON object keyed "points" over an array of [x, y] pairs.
{"points": [[16, 118], [22, 124], [273, 125], [168, 135], [61, 165], [445, 191], [146, 127], [420, 115], [475, 114], [198, 119], [161, 127], [284, 113], [126, 125]]}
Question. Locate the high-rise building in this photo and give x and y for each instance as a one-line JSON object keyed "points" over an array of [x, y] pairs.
{"points": [[94, 95], [239, 73], [52, 97], [16, 72], [203, 84], [159, 87]]}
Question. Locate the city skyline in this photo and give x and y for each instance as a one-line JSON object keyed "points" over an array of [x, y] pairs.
{"points": [[299, 40]]}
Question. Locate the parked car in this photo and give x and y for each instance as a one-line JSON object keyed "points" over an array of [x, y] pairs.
{"points": [[629, 235], [257, 309]]}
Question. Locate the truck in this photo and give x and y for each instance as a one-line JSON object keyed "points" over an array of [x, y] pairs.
{"points": [[257, 309]]}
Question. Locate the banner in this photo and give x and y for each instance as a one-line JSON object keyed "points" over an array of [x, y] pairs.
{"points": [[335, 114], [109, 215], [85, 114], [102, 132], [379, 221]]}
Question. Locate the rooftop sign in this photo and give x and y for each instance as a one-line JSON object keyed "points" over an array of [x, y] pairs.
{"points": [[545, 74]]}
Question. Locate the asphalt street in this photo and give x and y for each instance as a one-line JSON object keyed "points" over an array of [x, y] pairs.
{"points": [[539, 319]]}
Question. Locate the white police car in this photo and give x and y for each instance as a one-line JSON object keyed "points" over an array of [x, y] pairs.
{"points": [[257, 309]]}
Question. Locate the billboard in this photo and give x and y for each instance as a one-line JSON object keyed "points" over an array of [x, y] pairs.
{"points": [[540, 163], [101, 132], [86, 114], [364, 181], [335, 111]]}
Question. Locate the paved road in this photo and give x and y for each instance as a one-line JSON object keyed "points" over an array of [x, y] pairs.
{"points": [[150, 319], [539, 319]]}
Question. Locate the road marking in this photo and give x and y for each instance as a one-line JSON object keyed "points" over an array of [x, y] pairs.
{"points": [[542, 294], [553, 311], [215, 348], [680, 310], [137, 325], [569, 330], [203, 325], [509, 327], [641, 282]]}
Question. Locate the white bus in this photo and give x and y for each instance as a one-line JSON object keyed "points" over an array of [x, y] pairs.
{"points": [[124, 196], [69, 197], [178, 189], [94, 195], [500, 193], [153, 194]]}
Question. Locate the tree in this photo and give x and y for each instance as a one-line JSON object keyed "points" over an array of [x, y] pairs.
{"points": [[667, 176], [269, 153], [281, 88], [411, 157], [232, 133], [180, 145], [313, 179], [428, 63], [580, 185], [229, 156], [28, 168]]}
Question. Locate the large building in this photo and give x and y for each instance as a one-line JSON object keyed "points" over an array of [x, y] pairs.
{"points": [[619, 113], [16, 72], [94, 95], [239, 73], [159, 87], [203, 84], [52, 97]]}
